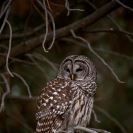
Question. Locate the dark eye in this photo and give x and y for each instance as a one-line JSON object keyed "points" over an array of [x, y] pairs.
{"points": [[79, 70], [67, 69]]}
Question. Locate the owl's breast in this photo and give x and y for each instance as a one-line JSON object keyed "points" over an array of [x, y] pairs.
{"points": [[81, 107]]}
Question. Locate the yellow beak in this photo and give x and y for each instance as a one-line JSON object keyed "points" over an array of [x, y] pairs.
{"points": [[72, 76]]}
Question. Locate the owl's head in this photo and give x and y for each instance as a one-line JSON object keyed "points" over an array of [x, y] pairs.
{"points": [[77, 68]]}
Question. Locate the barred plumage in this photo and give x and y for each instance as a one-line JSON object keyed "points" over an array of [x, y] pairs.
{"points": [[67, 101]]}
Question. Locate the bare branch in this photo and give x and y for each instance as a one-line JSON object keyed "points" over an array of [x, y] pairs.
{"points": [[22, 98], [67, 7], [110, 30], [60, 131], [100, 130], [111, 118], [47, 12], [115, 54], [31, 44], [4, 21], [25, 34], [48, 5], [3, 47], [123, 5], [35, 62], [95, 117], [5, 7], [46, 25], [37, 65], [9, 49], [119, 27], [114, 22], [54, 34], [97, 55], [18, 60], [70, 9], [88, 130], [20, 121], [41, 57], [5, 93], [24, 81], [91, 130]]}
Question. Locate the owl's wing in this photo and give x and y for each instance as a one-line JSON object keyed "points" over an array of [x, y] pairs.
{"points": [[53, 103]]}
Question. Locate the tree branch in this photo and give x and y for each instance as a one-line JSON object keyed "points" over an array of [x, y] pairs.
{"points": [[97, 55], [22, 98], [116, 122], [5, 93], [91, 130], [31, 44]]}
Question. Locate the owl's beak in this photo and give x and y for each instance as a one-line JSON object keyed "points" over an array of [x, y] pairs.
{"points": [[72, 76]]}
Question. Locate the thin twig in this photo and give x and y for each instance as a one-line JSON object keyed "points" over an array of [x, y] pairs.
{"points": [[41, 57], [112, 30], [71, 9], [9, 49], [54, 34], [35, 62], [25, 83], [20, 121], [38, 9], [113, 21], [4, 21], [123, 130], [4, 9], [67, 7], [46, 29], [18, 60], [95, 116], [97, 55], [85, 129], [113, 53], [119, 27], [100, 130], [22, 98], [43, 5], [6, 93], [61, 131], [48, 13], [123, 5], [24, 34], [35, 42], [3, 46], [37, 65], [48, 5]]}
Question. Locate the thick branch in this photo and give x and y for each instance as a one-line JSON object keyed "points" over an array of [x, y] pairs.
{"points": [[31, 44], [22, 98]]}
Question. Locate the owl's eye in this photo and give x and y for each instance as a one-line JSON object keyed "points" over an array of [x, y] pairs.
{"points": [[67, 69], [79, 70]]}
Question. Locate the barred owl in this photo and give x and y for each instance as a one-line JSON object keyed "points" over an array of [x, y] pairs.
{"points": [[67, 101]]}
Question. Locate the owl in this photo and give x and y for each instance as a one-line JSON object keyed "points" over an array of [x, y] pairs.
{"points": [[67, 101]]}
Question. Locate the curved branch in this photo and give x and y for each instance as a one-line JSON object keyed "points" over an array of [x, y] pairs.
{"points": [[25, 83], [9, 49], [31, 44], [6, 93], [97, 55], [24, 34], [116, 122], [123, 5]]}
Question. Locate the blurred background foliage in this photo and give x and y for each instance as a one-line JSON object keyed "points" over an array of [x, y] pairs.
{"points": [[114, 101]]}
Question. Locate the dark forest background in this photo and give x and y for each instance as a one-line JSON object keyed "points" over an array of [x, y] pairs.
{"points": [[105, 28]]}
